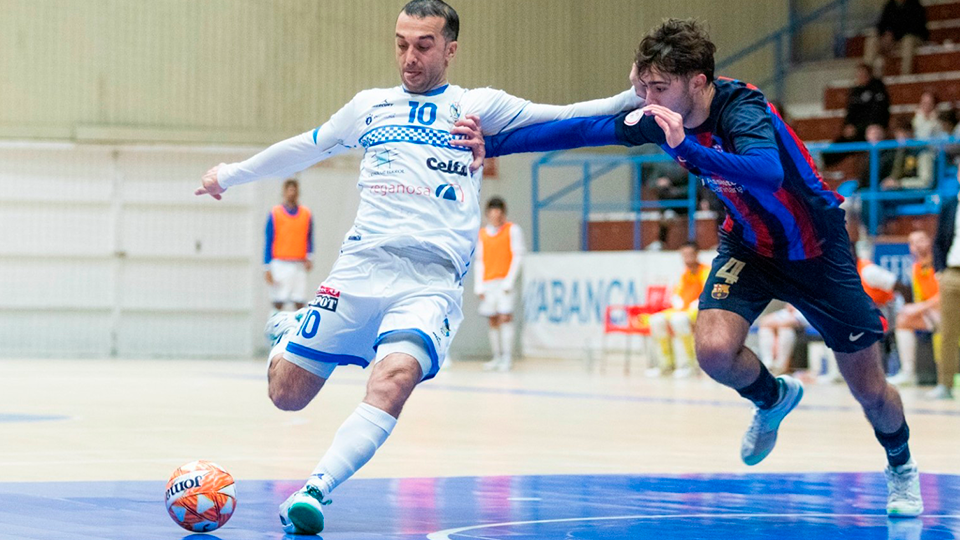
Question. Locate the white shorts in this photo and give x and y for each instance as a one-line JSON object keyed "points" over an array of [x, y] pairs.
{"points": [[496, 301], [378, 295], [289, 281]]}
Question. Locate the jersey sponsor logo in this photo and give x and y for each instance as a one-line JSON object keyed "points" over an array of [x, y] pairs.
{"points": [[399, 189], [384, 104], [449, 192], [720, 291], [327, 298], [449, 167], [329, 291], [633, 118]]}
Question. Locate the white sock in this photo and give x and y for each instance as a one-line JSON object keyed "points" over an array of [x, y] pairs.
{"points": [[786, 339], [494, 334], [356, 441], [506, 342], [907, 347], [767, 339]]}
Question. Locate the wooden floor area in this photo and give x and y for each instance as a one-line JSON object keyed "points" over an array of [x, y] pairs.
{"points": [[138, 420]]}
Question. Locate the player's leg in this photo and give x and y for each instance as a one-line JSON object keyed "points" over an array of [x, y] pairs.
{"points": [[395, 375], [786, 342], [681, 326], [660, 331], [506, 339], [488, 309], [736, 292], [767, 337], [828, 291], [906, 336], [505, 314]]}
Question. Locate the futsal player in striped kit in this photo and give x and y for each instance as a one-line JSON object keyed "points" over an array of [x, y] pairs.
{"points": [[783, 237], [393, 299], [497, 264], [288, 249]]}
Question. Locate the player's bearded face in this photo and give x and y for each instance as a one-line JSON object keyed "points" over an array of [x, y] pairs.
{"points": [[423, 54]]}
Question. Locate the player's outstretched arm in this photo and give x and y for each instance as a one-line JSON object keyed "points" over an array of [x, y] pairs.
{"points": [[286, 157], [556, 135]]}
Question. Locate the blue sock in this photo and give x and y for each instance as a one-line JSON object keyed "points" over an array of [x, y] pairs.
{"points": [[763, 392], [896, 445]]}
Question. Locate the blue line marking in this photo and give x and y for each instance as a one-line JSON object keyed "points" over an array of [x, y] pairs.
{"points": [[10, 418]]}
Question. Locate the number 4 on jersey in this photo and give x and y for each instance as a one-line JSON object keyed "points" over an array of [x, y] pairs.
{"points": [[730, 271]]}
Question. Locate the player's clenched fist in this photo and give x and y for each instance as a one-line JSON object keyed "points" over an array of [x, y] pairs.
{"points": [[210, 185]]}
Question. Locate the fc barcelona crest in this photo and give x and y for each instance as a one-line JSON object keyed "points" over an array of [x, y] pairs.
{"points": [[720, 291]]}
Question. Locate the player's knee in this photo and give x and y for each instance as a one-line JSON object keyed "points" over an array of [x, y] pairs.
{"points": [[286, 398], [715, 352], [870, 397], [390, 385]]}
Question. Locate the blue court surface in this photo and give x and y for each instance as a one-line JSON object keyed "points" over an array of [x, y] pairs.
{"points": [[610, 507]]}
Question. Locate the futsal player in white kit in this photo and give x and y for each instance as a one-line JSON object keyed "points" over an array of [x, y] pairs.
{"points": [[393, 297]]}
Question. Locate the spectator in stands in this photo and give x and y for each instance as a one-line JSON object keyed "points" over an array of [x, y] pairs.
{"points": [[946, 260], [923, 313], [898, 165], [868, 102], [926, 120], [894, 163], [288, 249], [903, 22], [926, 125]]}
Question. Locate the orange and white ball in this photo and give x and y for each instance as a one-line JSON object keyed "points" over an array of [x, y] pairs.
{"points": [[201, 496]]}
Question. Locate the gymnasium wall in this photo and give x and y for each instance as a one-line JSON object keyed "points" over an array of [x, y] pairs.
{"points": [[251, 71]]}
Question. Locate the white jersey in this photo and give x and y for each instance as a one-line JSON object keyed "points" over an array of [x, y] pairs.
{"points": [[415, 188]]}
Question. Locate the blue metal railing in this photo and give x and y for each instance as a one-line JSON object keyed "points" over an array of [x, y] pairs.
{"points": [[782, 42], [593, 167]]}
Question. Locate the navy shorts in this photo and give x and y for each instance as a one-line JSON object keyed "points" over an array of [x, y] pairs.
{"points": [[826, 289]]}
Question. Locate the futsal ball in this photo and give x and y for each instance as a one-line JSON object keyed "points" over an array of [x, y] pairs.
{"points": [[201, 496]]}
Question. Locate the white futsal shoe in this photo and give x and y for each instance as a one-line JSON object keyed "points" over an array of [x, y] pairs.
{"points": [[761, 437], [302, 512], [282, 322], [903, 490]]}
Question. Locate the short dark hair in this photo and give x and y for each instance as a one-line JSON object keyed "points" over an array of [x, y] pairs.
{"points": [[497, 202], [291, 182], [422, 9], [690, 244], [679, 47]]}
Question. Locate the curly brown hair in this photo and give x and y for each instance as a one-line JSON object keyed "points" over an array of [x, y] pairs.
{"points": [[678, 47]]}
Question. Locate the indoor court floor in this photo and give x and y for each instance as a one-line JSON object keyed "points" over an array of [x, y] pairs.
{"points": [[549, 451]]}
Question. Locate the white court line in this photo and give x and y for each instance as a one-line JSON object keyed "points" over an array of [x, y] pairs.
{"points": [[445, 534]]}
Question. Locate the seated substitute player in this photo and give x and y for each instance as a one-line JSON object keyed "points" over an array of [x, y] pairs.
{"points": [[499, 254], [394, 295], [677, 322], [784, 236], [923, 314]]}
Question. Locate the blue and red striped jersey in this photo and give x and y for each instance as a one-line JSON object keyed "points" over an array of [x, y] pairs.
{"points": [[786, 222]]}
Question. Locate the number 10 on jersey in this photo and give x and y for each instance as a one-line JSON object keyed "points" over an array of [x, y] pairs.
{"points": [[425, 114]]}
